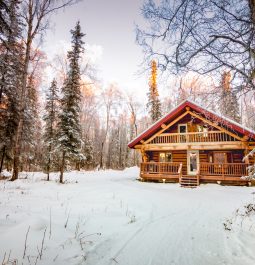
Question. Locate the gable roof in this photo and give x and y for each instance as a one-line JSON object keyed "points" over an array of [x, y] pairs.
{"points": [[226, 122]]}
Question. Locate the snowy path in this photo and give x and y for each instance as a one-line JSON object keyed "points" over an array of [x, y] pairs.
{"points": [[113, 219]]}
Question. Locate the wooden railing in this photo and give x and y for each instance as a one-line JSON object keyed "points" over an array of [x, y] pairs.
{"points": [[230, 169], [194, 137], [227, 169], [160, 168]]}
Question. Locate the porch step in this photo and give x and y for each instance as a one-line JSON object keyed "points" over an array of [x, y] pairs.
{"points": [[189, 181]]}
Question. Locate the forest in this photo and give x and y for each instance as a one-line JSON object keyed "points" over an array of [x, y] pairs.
{"points": [[78, 123]]}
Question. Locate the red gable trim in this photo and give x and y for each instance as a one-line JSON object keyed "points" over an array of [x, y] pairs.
{"points": [[208, 114]]}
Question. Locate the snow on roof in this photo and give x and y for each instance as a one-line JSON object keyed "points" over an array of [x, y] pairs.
{"points": [[154, 126]]}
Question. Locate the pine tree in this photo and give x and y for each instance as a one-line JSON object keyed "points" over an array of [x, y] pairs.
{"points": [[10, 74], [229, 106], [154, 105], [50, 118], [69, 134], [87, 151]]}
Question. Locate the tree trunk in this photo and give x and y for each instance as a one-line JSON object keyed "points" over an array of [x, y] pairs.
{"points": [[62, 168], [2, 160], [48, 170], [101, 156], [78, 166]]}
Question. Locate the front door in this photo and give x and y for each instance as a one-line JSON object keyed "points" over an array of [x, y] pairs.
{"points": [[182, 129], [192, 162]]}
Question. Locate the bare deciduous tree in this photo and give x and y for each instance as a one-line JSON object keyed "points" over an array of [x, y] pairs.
{"points": [[204, 36]]}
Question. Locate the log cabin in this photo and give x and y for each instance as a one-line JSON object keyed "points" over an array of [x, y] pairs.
{"points": [[192, 145]]}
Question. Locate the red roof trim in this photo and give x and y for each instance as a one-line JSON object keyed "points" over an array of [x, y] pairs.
{"points": [[228, 123]]}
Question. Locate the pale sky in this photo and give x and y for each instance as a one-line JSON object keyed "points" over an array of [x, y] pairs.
{"points": [[109, 26]]}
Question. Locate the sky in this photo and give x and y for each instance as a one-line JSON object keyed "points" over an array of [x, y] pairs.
{"points": [[109, 26]]}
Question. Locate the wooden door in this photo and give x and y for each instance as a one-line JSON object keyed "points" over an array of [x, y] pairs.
{"points": [[182, 130], [192, 162], [220, 159]]}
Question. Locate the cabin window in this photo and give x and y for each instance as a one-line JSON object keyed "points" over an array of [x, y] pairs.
{"points": [[165, 157], [220, 157], [182, 128]]}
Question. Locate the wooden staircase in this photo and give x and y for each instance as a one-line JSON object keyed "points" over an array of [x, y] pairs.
{"points": [[187, 181]]}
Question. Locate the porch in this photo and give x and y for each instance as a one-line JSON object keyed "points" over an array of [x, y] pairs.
{"points": [[206, 172]]}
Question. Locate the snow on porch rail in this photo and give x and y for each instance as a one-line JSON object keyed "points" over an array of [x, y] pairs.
{"points": [[228, 169], [160, 167], [194, 137]]}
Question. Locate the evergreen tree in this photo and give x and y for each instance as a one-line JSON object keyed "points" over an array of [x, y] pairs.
{"points": [[10, 74], [50, 119], [69, 134], [229, 106], [154, 105], [87, 151]]}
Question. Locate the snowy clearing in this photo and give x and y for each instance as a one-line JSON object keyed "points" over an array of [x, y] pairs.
{"points": [[108, 217]]}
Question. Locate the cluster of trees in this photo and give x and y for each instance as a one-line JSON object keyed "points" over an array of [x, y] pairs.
{"points": [[81, 124], [76, 127]]}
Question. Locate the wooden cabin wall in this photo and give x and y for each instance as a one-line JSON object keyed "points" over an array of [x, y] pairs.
{"points": [[181, 157], [203, 156]]}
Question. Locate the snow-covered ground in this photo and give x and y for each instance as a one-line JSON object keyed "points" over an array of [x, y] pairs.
{"points": [[107, 217]]}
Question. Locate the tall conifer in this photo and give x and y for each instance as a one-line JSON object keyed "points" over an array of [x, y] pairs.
{"points": [[229, 106], [69, 134], [10, 73], [50, 118], [154, 105]]}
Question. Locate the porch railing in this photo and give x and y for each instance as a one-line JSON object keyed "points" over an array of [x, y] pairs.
{"points": [[170, 168], [224, 169], [194, 137], [204, 169]]}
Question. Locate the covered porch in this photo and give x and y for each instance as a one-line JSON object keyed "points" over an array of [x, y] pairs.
{"points": [[206, 172]]}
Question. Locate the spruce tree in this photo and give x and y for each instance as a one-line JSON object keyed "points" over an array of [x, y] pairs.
{"points": [[154, 105], [10, 75], [50, 118], [69, 134], [229, 106]]}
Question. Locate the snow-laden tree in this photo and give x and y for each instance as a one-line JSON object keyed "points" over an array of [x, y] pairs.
{"points": [[11, 55], [35, 19], [154, 105], [50, 119], [69, 128], [31, 126], [251, 168], [229, 105]]}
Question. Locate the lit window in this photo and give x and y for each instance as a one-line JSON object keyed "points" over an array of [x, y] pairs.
{"points": [[165, 157]]}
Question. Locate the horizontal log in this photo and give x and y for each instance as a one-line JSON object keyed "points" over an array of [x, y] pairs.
{"points": [[193, 146]]}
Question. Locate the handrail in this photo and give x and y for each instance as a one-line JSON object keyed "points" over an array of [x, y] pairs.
{"points": [[160, 167], [193, 137], [224, 169], [190, 133]]}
